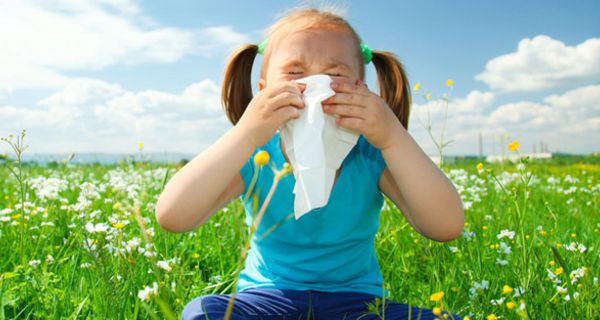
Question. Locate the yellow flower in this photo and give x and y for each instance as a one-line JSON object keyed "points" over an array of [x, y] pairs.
{"points": [[261, 158], [480, 167], [437, 296], [552, 263], [195, 256], [437, 311], [510, 305], [507, 289], [467, 318], [491, 317], [513, 146], [449, 83], [558, 271], [428, 96], [140, 145], [417, 86], [573, 235], [118, 225]]}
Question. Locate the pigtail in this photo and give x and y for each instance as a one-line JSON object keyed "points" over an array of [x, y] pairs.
{"points": [[236, 92], [393, 84]]}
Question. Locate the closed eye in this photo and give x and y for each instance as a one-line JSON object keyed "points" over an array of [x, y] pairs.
{"points": [[335, 74], [294, 72]]}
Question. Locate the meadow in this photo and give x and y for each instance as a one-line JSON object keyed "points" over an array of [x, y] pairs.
{"points": [[81, 241]]}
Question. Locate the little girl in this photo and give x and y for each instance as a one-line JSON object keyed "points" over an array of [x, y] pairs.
{"points": [[322, 265]]}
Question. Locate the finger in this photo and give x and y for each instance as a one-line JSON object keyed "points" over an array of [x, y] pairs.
{"points": [[288, 86], [339, 86], [286, 113], [345, 110], [347, 98], [350, 123], [286, 98]]}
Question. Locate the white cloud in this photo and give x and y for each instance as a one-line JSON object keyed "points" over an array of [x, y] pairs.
{"points": [[47, 39], [543, 63], [92, 115], [569, 122]]}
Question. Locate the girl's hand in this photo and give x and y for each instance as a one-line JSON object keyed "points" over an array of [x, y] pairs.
{"points": [[362, 110], [270, 109]]}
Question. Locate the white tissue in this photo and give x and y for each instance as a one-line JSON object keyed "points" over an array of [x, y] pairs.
{"points": [[316, 146]]}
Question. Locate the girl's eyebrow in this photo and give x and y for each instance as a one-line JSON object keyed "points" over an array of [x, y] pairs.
{"points": [[329, 65]]}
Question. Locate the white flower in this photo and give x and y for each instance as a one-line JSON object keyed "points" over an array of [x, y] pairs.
{"points": [[85, 265], [504, 248], [506, 233], [520, 167], [501, 262], [133, 243], [147, 293], [561, 289], [163, 265], [453, 249], [497, 302], [468, 235], [518, 291], [575, 246], [595, 281], [34, 263], [49, 259], [99, 227]]}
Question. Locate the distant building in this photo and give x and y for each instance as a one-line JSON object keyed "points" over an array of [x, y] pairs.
{"points": [[514, 157]]}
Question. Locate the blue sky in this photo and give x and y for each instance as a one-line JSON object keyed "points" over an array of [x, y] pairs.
{"points": [[103, 75]]}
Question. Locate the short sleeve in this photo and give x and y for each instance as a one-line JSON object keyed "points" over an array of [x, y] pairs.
{"points": [[373, 158]]}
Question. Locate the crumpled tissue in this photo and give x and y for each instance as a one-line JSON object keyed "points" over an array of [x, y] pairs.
{"points": [[316, 146]]}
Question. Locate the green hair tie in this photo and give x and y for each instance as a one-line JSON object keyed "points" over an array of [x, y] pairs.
{"points": [[367, 53], [261, 47]]}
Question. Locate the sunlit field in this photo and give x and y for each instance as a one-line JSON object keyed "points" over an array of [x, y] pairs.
{"points": [[72, 245]]}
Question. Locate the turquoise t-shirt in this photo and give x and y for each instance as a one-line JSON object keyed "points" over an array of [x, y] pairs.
{"points": [[328, 249]]}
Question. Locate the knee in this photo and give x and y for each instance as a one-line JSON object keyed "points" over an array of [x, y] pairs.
{"points": [[204, 307]]}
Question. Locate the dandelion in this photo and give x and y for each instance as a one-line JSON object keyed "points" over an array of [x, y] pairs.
{"points": [[449, 83], [261, 158], [480, 167], [558, 271], [437, 311], [140, 145], [511, 305], [437, 296], [513, 146], [417, 86], [491, 317], [506, 289]]}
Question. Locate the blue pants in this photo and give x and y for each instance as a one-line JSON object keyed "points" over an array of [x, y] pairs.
{"points": [[263, 303]]}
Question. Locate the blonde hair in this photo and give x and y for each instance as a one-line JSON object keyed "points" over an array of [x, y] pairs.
{"points": [[236, 91]]}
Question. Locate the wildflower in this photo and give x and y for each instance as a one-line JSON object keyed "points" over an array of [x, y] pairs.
{"points": [[49, 259], [428, 96], [99, 227], [453, 249], [164, 265], [449, 83], [146, 293], [261, 158], [417, 86], [513, 146], [437, 296], [497, 302], [118, 225], [506, 289], [506, 233], [559, 271], [510, 305], [437, 311], [480, 167], [140, 145], [491, 317], [34, 263]]}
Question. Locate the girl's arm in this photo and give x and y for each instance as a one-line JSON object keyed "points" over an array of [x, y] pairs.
{"points": [[205, 184], [212, 178], [420, 190]]}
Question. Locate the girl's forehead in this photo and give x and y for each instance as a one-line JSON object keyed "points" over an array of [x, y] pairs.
{"points": [[326, 44]]}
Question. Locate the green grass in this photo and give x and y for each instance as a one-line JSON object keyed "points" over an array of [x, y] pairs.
{"points": [[79, 282]]}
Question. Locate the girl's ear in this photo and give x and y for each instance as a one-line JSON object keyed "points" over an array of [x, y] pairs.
{"points": [[261, 84]]}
